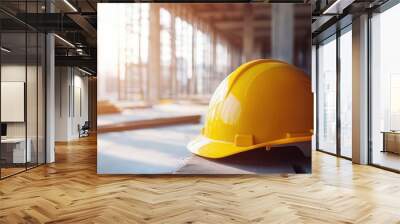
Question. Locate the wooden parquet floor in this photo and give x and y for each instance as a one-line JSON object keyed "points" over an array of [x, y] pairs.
{"points": [[70, 191]]}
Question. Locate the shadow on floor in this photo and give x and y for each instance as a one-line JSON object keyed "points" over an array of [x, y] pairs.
{"points": [[257, 161]]}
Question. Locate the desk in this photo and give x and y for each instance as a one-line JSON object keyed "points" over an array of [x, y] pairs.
{"points": [[391, 141], [15, 148]]}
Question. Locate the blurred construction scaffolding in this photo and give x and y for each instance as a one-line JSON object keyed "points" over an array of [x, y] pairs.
{"points": [[160, 52]]}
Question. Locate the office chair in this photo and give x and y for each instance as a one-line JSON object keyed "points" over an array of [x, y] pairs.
{"points": [[84, 130]]}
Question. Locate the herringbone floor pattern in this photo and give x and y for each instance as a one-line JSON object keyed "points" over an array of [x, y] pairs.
{"points": [[70, 191]]}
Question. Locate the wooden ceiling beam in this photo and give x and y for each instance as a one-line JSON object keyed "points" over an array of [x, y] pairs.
{"points": [[227, 13], [263, 24]]}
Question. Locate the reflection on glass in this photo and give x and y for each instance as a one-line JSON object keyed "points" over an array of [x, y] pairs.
{"points": [[327, 96], [385, 95], [345, 94]]}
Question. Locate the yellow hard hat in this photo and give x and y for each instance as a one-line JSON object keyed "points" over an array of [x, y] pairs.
{"points": [[263, 103]]}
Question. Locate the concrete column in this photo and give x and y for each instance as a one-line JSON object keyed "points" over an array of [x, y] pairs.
{"points": [[248, 35], [50, 98], [360, 90], [50, 92], [282, 32], [153, 65]]}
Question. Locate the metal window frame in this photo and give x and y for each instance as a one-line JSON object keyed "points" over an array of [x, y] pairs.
{"points": [[44, 73], [333, 37], [381, 9], [387, 5]]}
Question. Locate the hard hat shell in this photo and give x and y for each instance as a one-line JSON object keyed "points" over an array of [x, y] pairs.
{"points": [[263, 103]]}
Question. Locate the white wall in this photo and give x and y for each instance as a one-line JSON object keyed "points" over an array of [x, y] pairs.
{"points": [[33, 126], [79, 117], [71, 87], [12, 73], [62, 82]]}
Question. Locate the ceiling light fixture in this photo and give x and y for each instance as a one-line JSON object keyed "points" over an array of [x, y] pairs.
{"points": [[5, 50], [65, 41], [84, 71], [337, 7], [79, 51], [70, 5]]}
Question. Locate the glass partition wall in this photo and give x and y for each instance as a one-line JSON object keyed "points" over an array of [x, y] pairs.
{"points": [[22, 98], [334, 93], [345, 92], [327, 95], [13, 111], [385, 89]]}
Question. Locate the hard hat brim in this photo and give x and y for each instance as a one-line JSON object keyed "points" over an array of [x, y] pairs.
{"points": [[214, 149]]}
